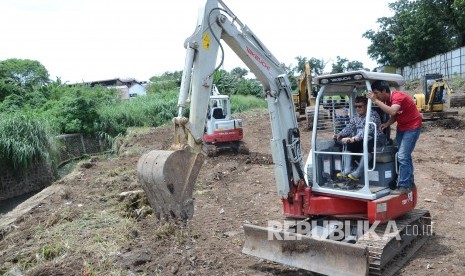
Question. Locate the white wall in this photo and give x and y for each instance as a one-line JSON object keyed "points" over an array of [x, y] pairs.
{"points": [[137, 90]]}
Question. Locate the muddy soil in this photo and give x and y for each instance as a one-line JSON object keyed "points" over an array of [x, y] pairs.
{"points": [[91, 228]]}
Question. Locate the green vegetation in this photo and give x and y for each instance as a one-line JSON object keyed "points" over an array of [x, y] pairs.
{"points": [[317, 66], [35, 109], [241, 103], [153, 110], [25, 139], [418, 30]]}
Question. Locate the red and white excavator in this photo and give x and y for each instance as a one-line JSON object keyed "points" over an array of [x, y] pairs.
{"points": [[222, 131], [333, 226]]}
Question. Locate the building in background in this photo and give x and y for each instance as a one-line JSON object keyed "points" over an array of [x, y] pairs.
{"points": [[128, 87]]}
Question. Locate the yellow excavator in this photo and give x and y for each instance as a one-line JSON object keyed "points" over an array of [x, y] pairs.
{"points": [[305, 100], [333, 226], [305, 97], [431, 102]]}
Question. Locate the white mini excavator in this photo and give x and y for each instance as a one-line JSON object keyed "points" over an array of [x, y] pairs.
{"points": [[222, 131], [334, 226]]}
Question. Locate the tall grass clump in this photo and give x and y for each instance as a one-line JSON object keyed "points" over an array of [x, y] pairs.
{"points": [[25, 139], [241, 103], [153, 110]]}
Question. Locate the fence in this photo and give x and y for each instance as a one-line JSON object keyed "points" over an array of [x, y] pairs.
{"points": [[449, 64], [76, 144]]}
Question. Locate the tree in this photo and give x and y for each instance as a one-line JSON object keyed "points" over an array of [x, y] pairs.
{"points": [[166, 81], [8, 88], [239, 72], [300, 67], [316, 65], [225, 82], [418, 30], [248, 87], [344, 65], [340, 65], [24, 72], [354, 65], [453, 13]]}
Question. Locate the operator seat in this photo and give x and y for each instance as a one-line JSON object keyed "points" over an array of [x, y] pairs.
{"points": [[384, 118], [217, 113]]}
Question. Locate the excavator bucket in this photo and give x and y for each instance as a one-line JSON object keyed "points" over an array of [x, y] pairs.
{"points": [[168, 179], [318, 255], [457, 101]]}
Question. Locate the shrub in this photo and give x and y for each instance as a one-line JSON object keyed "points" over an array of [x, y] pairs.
{"points": [[25, 139]]}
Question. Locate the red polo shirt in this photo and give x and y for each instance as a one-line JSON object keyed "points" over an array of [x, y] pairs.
{"points": [[408, 116]]}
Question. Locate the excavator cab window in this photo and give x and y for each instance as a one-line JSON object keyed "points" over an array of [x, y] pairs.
{"points": [[428, 82], [217, 113]]}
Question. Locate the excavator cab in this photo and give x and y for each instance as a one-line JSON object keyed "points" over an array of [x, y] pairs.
{"points": [[327, 235], [328, 157]]}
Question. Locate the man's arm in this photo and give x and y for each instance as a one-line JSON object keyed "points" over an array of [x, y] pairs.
{"points": [[389, 122], [347, 130], [391, 110]]}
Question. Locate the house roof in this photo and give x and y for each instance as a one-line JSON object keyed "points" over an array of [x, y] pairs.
{"points": [[113, 82]]}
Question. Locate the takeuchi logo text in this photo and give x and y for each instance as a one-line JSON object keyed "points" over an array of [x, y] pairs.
{"points": [[258, 58]]}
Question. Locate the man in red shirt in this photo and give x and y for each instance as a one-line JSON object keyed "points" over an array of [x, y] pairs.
{"points": [[402, 109]]}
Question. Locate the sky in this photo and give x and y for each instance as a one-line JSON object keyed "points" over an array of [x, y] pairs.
{"points": [[87, 40]]}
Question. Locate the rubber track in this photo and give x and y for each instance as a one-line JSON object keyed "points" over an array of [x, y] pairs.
{"points": [[379, 261]]}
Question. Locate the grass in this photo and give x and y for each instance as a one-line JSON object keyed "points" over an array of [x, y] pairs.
{"points": [[170, 231], [96, 234], [240, 103], [157, 109], [150, 111], [25, 139]]}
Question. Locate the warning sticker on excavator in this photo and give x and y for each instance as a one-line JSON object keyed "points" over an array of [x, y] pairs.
{"points": [[206, 41], [373, 176], [327, 166], [381, 207], [337, 164], [387, 174]]}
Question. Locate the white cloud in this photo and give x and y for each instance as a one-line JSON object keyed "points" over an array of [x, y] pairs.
{"points": [[89, 40]]}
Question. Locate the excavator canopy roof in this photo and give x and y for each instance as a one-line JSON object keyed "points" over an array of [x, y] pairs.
{"points": [[355, 77]]}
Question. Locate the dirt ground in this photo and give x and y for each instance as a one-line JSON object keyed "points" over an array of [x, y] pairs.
{"points": [[89, 227]]}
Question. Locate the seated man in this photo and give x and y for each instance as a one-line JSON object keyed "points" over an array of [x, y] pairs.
{"points": [[355, 143]]}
